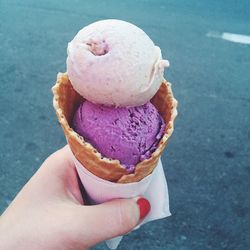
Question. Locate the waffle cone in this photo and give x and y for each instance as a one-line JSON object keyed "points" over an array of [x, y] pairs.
{"points": [[66, 100]]}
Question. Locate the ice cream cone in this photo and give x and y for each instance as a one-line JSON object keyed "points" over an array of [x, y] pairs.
{"points": [[66, 100]]}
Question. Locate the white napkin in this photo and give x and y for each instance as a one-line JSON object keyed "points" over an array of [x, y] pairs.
{"points": [[153, 187]]}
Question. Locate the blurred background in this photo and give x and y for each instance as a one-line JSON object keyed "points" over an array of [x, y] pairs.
{"points": [[207, 161]]}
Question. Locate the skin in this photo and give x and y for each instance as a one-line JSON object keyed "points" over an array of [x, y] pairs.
{"points": [[49, 212]]}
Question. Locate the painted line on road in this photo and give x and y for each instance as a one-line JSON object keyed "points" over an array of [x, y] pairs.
{"points": [[231, 37]]}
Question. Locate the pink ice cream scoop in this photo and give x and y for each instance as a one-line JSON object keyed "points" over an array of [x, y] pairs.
{"points": [[115, 63], [126, 134]]}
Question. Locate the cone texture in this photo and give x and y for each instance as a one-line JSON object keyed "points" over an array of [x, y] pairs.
{"points": [[66, 100]]}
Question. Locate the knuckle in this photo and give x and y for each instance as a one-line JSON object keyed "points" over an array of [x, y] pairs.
{"points": [[127, 219]]}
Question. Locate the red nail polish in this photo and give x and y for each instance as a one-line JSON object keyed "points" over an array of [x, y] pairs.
{"points": [[144, 206]]}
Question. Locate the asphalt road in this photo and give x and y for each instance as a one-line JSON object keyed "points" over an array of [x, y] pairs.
{"points": [[207, 160]]}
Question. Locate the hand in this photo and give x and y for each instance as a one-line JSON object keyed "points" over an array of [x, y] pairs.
{"points": [[49, 212]]}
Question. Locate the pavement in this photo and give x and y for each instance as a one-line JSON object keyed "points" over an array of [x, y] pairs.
{"points": [[207, 161]]}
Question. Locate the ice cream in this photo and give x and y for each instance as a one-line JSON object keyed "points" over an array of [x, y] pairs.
{"points": [[115, 63], [115, 107], [129, 135]]}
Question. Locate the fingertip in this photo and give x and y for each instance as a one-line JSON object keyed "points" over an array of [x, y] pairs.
{"points": [[65, 149], [60, 157]]}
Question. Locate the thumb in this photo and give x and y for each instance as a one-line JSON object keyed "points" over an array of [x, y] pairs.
{"points": [[111, 219]]}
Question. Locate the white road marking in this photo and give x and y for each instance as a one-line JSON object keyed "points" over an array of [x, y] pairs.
{"points": [[235, 38]]}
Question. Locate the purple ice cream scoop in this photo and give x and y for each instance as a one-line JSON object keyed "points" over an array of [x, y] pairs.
{"points": [[129, 135]]}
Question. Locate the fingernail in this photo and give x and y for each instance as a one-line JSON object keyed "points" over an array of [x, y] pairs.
{"points": [[144, 207]]}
